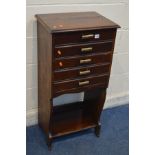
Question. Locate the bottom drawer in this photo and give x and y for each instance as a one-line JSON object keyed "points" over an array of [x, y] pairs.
{"points": [[81, 83]]}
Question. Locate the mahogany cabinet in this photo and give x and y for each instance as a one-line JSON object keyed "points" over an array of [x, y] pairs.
{"points": [[75, 53]]}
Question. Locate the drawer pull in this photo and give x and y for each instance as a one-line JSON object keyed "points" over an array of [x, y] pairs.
{"points": [[85, 61], [88, 36], [83, 83], [88, 49], [84, 72]]}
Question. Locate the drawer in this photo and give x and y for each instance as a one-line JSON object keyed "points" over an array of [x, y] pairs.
{"points": [[81, 83], [81, 72], [82, 60], [84, 36], [82, 49]]}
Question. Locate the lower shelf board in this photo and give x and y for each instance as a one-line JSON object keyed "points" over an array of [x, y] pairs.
{"points": [[71, 121]]}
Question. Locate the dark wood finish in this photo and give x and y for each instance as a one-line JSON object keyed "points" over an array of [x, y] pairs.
{"points": [[97, 130], [76, 37], [82, 49], [82, 82], [83, 71], [82, 60], [44, 78], [75, 53], [60, 22], [74, 119]]}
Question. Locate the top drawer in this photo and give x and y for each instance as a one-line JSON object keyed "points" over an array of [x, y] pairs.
{"points": [[84, 36]]}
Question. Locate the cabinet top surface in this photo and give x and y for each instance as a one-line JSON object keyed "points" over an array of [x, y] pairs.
{"points": [[60, 22]]}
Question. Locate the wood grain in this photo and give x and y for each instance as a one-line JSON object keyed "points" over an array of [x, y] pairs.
{"points": [[76, 61], [44, 77], [73, 50], [74, 73], [59, 22]]}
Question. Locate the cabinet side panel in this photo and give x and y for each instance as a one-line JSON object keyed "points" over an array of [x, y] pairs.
{"points": [[113, 46], [44, 77]]}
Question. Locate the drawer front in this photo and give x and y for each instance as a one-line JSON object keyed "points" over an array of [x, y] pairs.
{"points": [[83, 61], [81, 83], [82, 49], [81, 72], [84, 36]]}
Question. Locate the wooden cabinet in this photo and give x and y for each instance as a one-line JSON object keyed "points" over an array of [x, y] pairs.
{"points": [[75, 53]]}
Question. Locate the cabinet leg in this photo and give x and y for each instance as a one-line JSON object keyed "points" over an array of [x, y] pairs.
{"points": [[49, 142], [97, 130]]}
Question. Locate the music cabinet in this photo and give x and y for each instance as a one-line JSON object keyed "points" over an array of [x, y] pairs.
{"points": [[75, 53]]}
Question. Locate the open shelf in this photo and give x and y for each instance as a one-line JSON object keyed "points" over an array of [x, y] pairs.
{"points": [[71, 118]]}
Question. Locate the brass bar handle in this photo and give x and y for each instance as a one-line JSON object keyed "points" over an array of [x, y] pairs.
{"points": [[87, 36], [88, 49], [83, 83], [85, 61], [84, 72]]}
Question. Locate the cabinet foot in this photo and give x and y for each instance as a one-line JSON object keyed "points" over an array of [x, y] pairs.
{"points": [[49, 142], [97, 130]]}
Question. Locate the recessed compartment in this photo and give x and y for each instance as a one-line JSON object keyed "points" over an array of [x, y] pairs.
{"points": [[71, 118]]}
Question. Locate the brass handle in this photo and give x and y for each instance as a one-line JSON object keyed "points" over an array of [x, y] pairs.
{"points": [[83, 83], [84, 72], [88, 49], [85, 61], [88, 36]]}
